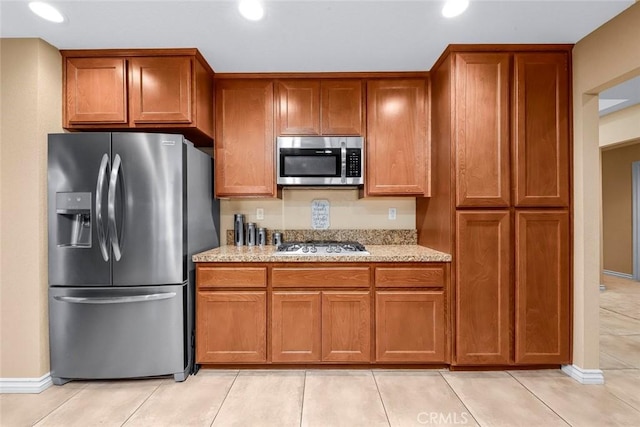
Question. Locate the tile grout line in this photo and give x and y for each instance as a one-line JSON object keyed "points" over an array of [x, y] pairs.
{"points": [[140, 405], [539, 398], [380, 396], [60, 405], [618, 313], [459, 398], [622, 400], [617, 359], [304, 387], [225, 398]]}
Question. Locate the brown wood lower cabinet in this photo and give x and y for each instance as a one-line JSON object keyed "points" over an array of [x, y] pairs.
{"points": [[320, 326], [295, 327], [321, 313], [410, 326], [231, 326], [346, 326], [483, 288], [542, 329]]}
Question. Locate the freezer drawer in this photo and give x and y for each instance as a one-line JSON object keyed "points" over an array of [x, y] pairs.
{"points": [[116, 332]]}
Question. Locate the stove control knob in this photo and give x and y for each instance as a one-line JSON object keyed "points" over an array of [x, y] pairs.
{"points": [[313, 250], [329, 249], [305, 249], [338, 249]]}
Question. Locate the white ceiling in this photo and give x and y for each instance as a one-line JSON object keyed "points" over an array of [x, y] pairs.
{"points": [[309, 35], [621, 96]]}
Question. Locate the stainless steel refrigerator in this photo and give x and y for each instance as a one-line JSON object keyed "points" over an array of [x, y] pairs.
{"points": [[126, 211]]}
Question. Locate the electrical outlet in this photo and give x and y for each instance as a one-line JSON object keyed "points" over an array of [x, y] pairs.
{"points": [[259, 213], [392, 213]]}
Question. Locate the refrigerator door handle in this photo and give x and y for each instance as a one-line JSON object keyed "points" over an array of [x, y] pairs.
{"points": [[116, 244], [102, 236], [116, 300]]}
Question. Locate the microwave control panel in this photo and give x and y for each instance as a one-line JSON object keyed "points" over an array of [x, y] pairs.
{"points": [[353, 163]]}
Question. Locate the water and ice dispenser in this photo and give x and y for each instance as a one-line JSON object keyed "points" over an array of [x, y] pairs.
{"points": [[74, 219]]}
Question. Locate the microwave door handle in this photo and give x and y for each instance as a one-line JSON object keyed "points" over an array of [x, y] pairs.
{"points": [[111, 208], [102, 236], [343, 169]]}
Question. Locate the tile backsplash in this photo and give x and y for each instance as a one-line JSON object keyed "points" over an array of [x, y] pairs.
{"points": [[346, 211]]}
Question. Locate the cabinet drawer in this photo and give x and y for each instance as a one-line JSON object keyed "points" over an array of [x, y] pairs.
{"points": [[305, 277], [431, 277], [230, 277]]}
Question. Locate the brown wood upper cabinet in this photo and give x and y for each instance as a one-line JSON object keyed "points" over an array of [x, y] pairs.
{"points": [[482, 129], [541, 129], [397, 160], [529, 139], [320, 107], [95, 91], [148, 89], [244, 138]]}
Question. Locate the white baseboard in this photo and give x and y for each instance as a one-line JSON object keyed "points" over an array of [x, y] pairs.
{"points": [[616, 274], [584, 376], [25, 385]]}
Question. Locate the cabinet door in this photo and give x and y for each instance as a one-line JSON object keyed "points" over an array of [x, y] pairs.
{"points": [[161, 90], [541, 129], [410, 327], [299, 107], [341, 107], [482, 129], [346, 326], [483, 286], [231, 327], [397, 143], [244, 138], [542, 287], [295, 331], [95, 91]]}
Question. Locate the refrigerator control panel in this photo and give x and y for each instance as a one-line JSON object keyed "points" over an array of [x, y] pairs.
{"points": [[67, 203]]}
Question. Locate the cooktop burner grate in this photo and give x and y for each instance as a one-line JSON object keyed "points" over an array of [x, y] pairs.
{"points": [[321, 247]]}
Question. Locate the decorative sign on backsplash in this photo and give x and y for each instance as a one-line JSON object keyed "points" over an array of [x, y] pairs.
{"points": [[320, 214]]}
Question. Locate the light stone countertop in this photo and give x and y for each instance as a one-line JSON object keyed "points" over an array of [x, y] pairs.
{"points": [[379, 253]]}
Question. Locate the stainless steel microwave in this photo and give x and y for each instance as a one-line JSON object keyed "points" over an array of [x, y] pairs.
{"points": [[320, 160]]}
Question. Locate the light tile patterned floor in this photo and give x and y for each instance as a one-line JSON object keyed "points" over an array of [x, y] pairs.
{"points": [[363, 397]]}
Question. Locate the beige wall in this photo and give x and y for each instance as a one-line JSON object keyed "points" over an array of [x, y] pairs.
{"points": [[293, 211], [601, 60], [621, 126], [31, 106], [617, 210]]}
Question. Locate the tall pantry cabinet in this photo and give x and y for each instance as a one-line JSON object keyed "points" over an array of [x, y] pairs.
{"points": [[501, 202]]}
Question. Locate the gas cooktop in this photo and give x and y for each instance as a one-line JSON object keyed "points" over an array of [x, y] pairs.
{"points": [[321, 248]]}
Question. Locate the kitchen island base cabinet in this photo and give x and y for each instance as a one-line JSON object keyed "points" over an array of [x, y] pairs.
{"points": [[231, 327], [410, 326], [320, 327]]}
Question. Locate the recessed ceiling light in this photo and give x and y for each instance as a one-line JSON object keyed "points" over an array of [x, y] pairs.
{"points": [[251, 9], [46, 11], [454, 8]]}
